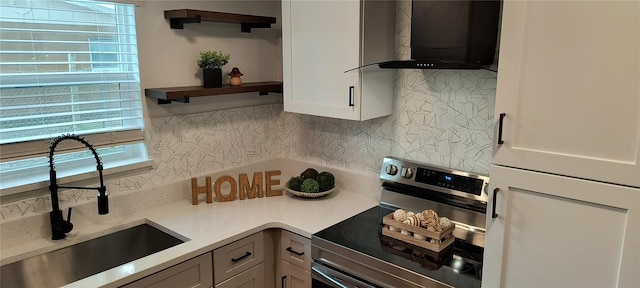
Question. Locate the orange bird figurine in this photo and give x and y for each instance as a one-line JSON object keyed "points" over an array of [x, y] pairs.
{"points": [[235, 77]]}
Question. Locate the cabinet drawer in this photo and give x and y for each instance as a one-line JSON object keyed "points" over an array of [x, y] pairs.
{"points": [[252, 278], [295, 249], [238, 256], [192, 273]]}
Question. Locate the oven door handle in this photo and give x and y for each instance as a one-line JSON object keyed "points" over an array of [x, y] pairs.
{"points": [[316, 271]]}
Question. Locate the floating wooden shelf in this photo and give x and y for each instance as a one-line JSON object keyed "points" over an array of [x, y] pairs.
{"points": [[182, 94], [178, 17]]}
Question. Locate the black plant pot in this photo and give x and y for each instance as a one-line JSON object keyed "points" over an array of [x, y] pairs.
{"points": [[212, 78]]}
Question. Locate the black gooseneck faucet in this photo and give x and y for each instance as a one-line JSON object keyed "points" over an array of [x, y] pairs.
{"points": [[59, 226]]}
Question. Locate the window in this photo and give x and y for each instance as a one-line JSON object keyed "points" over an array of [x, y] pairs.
{"points": [[104, 53], [67, 67]]}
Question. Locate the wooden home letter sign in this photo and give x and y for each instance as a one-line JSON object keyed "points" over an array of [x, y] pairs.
{"points": [[241, 189]]}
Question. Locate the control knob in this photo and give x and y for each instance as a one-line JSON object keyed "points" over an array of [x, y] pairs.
{"points": [[392, 169], [406, 172]]}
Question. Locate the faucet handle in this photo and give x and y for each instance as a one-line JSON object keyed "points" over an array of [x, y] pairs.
{"points": [[66, 225], [59, 226], [103, 201]]}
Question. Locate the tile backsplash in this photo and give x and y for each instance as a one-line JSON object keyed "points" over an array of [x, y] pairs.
{"points": [[441, 117], [445, 118]]}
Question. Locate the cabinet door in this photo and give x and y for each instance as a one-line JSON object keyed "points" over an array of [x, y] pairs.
{"points": [[294, 277], [568, 83], [194, 273], [321, 40], [554, 231], [254, 277]]}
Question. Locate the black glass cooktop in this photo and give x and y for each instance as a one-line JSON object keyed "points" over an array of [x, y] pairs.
{"points": [[459, 265]]}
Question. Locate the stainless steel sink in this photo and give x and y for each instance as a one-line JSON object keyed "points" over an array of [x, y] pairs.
{"points": [[66, 265]]}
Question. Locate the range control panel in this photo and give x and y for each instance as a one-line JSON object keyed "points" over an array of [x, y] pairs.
{"points": [[449, 180], [437, 179]]}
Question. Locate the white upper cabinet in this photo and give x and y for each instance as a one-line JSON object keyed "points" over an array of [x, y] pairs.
{"points": [[323, 43], [554, 231], [569, 85]]}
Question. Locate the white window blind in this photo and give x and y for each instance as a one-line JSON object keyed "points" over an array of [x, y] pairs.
{"points": [[68, 66]]}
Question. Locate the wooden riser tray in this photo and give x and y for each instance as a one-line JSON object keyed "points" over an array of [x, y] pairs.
{"points": [[441, 239], [428, 259]]}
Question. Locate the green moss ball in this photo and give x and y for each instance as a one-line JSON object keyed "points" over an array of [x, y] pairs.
{"points": [[326, 181], [310, 186], [310, 173], [295, 183]]}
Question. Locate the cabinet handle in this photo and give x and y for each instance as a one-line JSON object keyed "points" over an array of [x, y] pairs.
{"points": [[241, 257], [493, 212], [351, 96], [295, 252], [500, 141], [283, 280]]}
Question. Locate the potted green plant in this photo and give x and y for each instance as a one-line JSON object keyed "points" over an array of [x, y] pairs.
{"points": [[211, 63]]}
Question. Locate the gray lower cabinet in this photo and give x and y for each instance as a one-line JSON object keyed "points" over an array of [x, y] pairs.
{"points": [[295, 260], [193, 273], [245, 263]]}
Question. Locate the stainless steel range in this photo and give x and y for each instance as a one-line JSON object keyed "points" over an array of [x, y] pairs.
{"points": [[354, 253]]}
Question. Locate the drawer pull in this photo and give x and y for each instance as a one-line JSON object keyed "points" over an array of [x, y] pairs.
{"points": [[495, 196], [295, 252], [241, 257]]}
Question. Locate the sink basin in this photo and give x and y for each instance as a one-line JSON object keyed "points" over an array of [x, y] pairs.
{"points": [[69, 264]]}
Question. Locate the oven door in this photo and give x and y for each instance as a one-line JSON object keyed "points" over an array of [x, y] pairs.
{"points": [[326, 277]]}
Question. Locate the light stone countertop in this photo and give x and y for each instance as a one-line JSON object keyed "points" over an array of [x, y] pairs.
{"points": [[208, 226]]}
